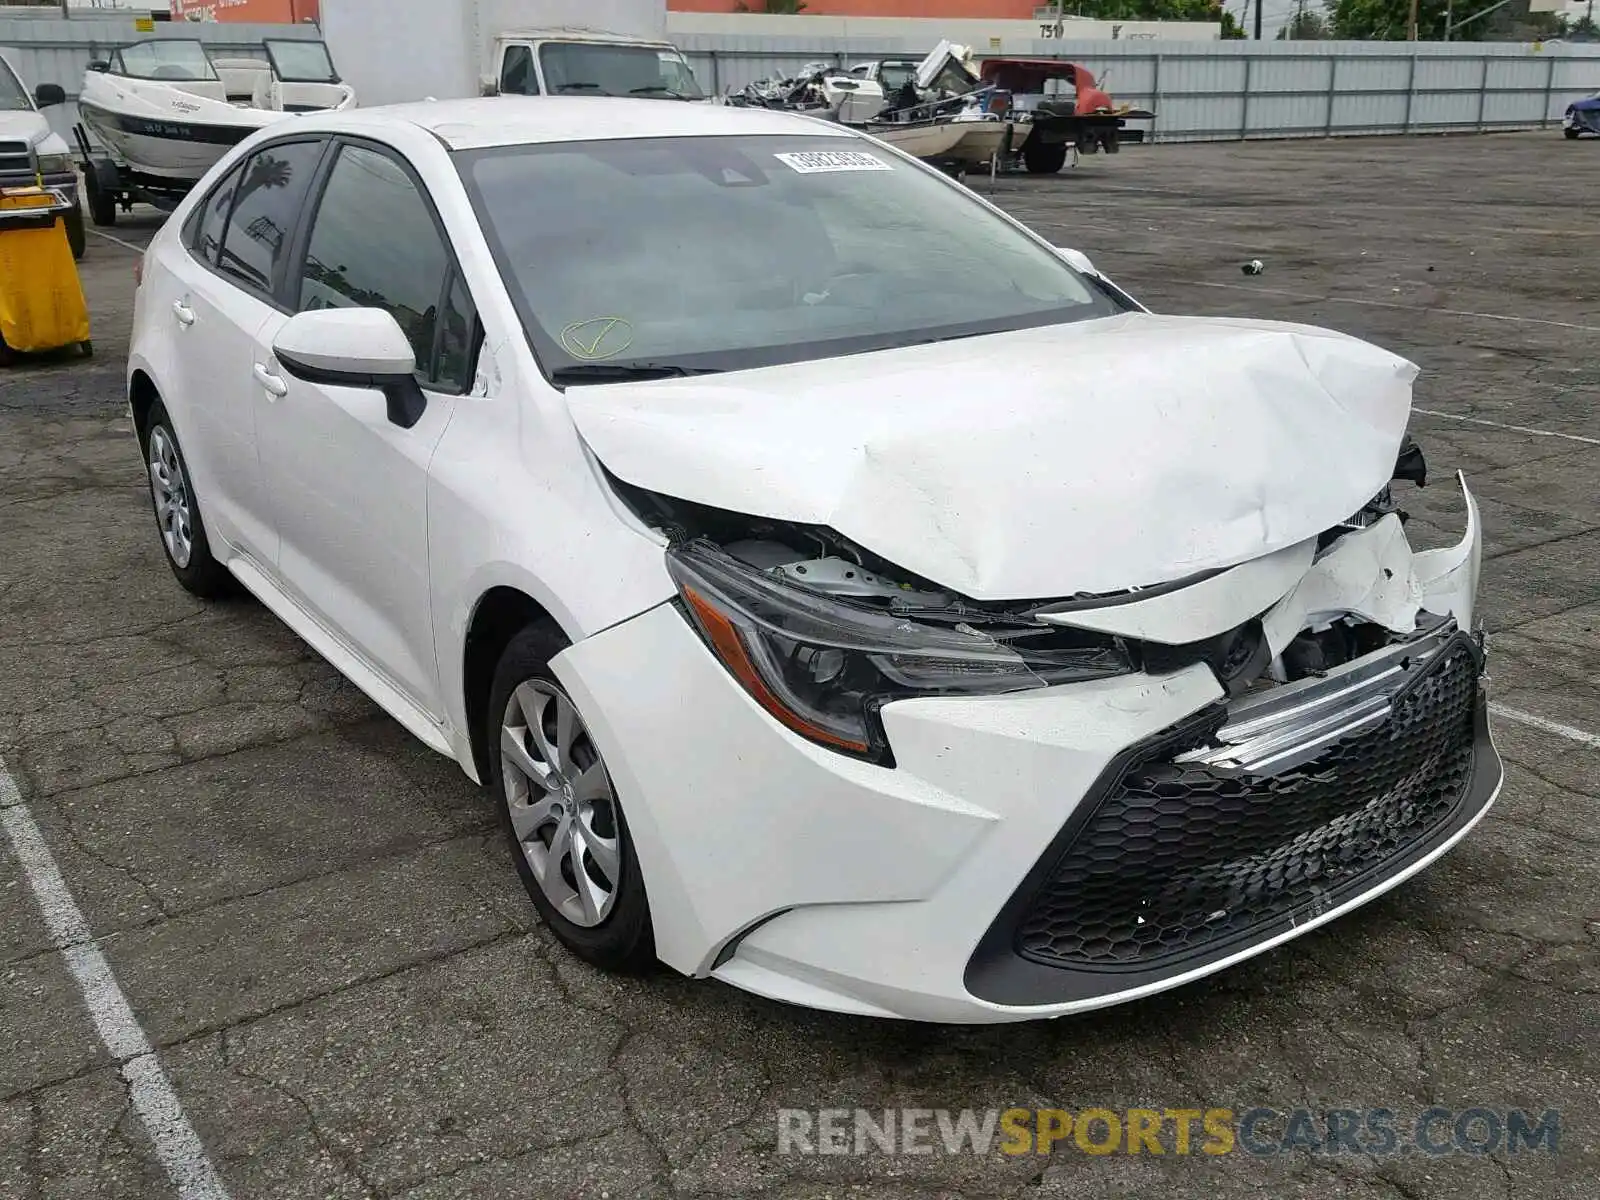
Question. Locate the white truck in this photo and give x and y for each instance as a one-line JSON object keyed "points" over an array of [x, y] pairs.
{"points": [[30, 152], [393, 51]]}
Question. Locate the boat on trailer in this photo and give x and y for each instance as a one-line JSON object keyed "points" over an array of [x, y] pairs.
{"points": [[166, 111]]}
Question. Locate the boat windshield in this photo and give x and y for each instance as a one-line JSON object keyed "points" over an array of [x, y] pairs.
{"points": [[895, 75], [617, 69], [301, 62], [171, 59], [13, 97], [723, 253]]}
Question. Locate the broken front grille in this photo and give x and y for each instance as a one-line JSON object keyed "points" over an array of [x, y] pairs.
{"points": [[1189, 851]]}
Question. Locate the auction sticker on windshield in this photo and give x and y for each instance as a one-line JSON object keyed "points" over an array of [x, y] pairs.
{"points": [[816, 162]]}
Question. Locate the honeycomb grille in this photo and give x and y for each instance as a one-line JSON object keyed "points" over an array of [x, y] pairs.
{"points": [[1180, 858]]}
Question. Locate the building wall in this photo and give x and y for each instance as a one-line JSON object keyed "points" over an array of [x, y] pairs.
{"points": [[1010, 10], [260, 12]]}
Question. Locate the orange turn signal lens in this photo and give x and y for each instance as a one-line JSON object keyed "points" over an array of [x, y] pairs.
{"points": [[729, 646]]}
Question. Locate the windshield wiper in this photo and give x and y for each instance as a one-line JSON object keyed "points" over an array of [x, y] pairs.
{"points": [[578, 87], [623, 372], [658, 89]]}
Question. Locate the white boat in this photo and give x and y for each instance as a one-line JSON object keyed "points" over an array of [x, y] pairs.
{"points": [[167, 111], [968, 143]]}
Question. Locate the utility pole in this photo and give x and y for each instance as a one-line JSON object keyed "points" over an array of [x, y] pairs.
{"points": [[1258, 19], [1411, 29]]}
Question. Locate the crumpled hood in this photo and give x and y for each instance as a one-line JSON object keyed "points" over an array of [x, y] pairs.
{"points": [[1093, 457]]}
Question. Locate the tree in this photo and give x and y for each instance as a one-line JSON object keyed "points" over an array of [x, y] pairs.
{"points": [[1307, 25], [1386, 20]]}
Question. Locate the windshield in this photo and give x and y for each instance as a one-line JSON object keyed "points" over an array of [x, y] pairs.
{"points": [[301, 62], [164, 59], [713, 254], [600, 69], [895, 76], [12, 96]]}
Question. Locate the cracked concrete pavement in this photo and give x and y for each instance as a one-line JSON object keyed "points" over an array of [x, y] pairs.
{"points": [[316, 923]]}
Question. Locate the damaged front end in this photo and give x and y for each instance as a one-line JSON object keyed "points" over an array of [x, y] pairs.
{"points": [[823, 633]]}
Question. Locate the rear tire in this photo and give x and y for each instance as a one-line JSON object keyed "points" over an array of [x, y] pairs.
{"points": [[563, 822], [177, 511]]}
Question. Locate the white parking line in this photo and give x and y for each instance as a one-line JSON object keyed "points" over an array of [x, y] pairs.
{"points": [[176, 1143], [1420, 308], [1572, 734], [1571, 437], [125, 245]]}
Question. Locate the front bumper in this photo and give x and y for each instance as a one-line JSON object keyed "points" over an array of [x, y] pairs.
{"points": [[66, 183], [1583, 120], [995, 873]]}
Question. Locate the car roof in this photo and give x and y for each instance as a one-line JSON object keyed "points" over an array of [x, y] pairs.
{"points": [[530, 120]]}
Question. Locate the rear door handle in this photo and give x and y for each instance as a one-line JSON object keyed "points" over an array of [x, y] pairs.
{"points": [[274, 384], [183, 312]]}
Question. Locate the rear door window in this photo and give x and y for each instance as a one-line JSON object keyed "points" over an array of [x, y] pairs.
{"points": [[212, 217], [267, 202]]}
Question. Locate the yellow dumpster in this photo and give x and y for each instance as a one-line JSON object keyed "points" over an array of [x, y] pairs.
{"points": [[41, 297]]}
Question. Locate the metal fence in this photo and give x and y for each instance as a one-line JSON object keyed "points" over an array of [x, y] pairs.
{"points": [[1199, 91], [1209, 91]]}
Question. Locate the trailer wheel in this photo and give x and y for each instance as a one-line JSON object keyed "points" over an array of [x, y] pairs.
{"points": [[76, 237], [102, 203], [1043, 159]]}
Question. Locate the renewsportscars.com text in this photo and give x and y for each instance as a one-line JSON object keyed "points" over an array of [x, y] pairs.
{"points": [[1257, 1131]]}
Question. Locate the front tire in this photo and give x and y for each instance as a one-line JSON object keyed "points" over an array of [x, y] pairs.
{"points": [[183, 531], [1570, 134], [567, 833]]}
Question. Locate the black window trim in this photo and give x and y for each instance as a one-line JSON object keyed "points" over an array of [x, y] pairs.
{"points": [[274, 297], [301, 245]]}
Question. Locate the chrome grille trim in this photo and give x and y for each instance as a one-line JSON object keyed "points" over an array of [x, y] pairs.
{"points": [[1280, 729]]}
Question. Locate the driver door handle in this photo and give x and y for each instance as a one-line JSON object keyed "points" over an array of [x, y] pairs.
{"points": [[274, 384], [183, 312]]}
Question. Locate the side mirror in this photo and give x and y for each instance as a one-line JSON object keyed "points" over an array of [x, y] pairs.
{"points": [[100, 65], [356, 348], [47, 94], [1078, 259], [1081, 263]]}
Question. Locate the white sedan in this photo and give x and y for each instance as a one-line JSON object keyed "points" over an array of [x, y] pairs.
{"points": [[842, 592]]}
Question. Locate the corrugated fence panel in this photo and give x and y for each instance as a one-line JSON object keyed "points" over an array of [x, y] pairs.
{"points": [[1199, 90]]}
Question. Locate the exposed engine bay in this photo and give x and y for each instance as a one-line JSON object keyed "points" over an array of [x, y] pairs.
{"points": [[1244, 656]]}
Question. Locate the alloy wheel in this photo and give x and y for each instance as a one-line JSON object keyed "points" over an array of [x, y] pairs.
{"points": [[562, 806], [171, 490]]}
